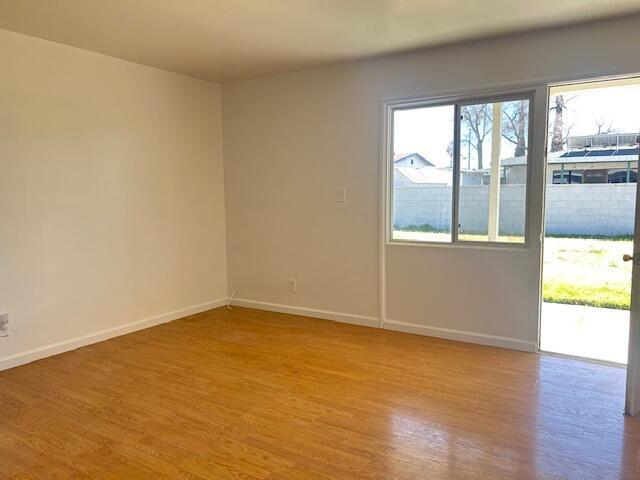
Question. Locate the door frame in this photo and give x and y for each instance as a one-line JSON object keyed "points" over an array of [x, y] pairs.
{"points": [[632, 388], [632, 393]]}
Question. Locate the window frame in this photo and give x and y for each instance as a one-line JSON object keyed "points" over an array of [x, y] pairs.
{"points": [[391, 106]]}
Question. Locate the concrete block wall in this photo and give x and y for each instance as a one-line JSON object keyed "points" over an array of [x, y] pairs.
{"points": [[591, 209], [473, 214], [422, 205]]}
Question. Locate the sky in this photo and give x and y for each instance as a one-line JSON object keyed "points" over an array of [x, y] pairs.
{"points": [[429, 130], [619, 105]]}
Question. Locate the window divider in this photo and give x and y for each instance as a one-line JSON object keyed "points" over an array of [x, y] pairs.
{"points": [[455, 188]]}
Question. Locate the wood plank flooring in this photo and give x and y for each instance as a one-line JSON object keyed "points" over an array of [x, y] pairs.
{"points": [[244, 394]]}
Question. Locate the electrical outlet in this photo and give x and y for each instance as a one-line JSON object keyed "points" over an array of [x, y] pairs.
{"points": [[4, 325], [293, 285]]}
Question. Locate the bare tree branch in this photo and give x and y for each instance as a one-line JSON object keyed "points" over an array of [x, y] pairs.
{"points": [[478, 119]]}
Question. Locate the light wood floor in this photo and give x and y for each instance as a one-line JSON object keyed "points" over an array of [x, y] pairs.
{"points": [[244, 394]]}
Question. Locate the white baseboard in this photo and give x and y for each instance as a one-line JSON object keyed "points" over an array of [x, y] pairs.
{"points": [[77, 342], [309, 312], [448, 334], [461, 336]]}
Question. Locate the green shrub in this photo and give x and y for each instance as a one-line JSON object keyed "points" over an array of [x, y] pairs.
{"points": [[425, 227]]}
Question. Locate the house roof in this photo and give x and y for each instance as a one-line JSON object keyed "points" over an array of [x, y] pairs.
{"points": [[424, 175], [599, 155], [401, 156], [584, 156]]}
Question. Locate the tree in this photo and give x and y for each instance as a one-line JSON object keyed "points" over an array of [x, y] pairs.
{"points": [[514, 129], [558, 133], [450, 153], [478, 118], [604, 126]]}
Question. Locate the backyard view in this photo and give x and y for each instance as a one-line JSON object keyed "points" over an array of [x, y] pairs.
{"points": [[587, 271]]}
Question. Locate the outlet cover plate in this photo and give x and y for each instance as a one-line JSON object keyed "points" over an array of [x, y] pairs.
{"points": [[4, 325]]}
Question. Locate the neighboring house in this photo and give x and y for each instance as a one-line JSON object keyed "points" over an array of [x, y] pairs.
{"points": [[474, 177], [605, 158], [410, 160], [511, 174], [412, 169], [602, 158]]}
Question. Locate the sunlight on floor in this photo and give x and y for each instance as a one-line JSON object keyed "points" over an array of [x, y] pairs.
{"points": [[590, 332]]}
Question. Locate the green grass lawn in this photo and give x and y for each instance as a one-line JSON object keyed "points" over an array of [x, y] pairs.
{"points": [[587, 271], [577, 271]]}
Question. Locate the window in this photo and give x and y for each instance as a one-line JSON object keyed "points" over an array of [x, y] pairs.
{"points": [[567, 176], [472, 186], [495, 136], [622, 176], [422, 197], [595, 176]]}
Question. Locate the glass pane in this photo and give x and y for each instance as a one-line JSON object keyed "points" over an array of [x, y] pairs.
{"points": [[423, 173], [493, 171]]}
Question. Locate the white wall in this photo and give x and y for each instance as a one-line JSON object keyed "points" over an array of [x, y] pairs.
{"points": [[111, 196], [291, 140]]}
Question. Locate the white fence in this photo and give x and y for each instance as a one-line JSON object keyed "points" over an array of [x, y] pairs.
{"points": [[580, 209]]}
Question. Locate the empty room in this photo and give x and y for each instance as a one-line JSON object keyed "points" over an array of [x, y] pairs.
{"points": [[319, 239]]}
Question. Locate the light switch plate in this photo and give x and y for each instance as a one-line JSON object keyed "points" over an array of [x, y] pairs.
{"points": [[341, 195]]}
